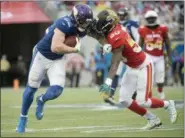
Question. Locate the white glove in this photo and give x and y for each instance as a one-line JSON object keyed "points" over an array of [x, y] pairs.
{"points": [[78, 44], [107, 48]]}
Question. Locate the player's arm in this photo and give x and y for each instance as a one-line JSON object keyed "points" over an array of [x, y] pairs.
{"points": [[168, 48], [102, 40], [58, 46], [116, 58]]}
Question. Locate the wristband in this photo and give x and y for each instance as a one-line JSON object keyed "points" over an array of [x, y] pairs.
{"points": [[108, 81]]}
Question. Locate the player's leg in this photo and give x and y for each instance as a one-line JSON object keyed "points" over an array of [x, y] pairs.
{"points": [[77, 79], [35, 77], [174, 73], [145, 82], [56, 75], [128, 87], [159, 77], [180, 72], [72, 76]]}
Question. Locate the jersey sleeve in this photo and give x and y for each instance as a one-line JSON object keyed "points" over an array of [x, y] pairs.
{"points": [[63, 25], [165, 30], [141, 31], [116, 42]]}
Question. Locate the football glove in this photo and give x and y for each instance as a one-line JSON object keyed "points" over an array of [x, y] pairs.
{"points": [[105, 90]]}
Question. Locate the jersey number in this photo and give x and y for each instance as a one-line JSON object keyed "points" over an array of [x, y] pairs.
{"points": [[152, 46], [114, 34]]}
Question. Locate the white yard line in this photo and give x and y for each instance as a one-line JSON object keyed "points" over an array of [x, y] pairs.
{"points": [[62, 128], [97, 129], [33, 120], [130, 130], [77, 105], [94, 107]]}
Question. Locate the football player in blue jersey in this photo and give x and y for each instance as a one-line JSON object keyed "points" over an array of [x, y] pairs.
{"points": [[48, 59], [130, 25], [132, 28]]}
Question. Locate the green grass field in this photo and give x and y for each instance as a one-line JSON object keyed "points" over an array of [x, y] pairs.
{"points": [[82, 113]]}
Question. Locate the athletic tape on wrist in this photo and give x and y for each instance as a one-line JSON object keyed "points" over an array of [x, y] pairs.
{"points": [[108, 81]]}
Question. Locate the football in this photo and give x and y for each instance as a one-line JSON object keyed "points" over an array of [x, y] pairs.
{"points": [[70, 41]]}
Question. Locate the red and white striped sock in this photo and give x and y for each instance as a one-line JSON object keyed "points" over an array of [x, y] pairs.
{"points": [[137, 109], [157, 103], [160, 89]]}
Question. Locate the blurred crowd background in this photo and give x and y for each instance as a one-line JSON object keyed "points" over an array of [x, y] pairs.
{"points": [[90, 67]]}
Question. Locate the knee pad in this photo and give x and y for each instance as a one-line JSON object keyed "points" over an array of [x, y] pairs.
{"points": [[33, 81], [56, 90]]}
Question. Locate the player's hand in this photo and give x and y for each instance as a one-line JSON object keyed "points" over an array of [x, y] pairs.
{"points": [[105, 90], [78, 44]]}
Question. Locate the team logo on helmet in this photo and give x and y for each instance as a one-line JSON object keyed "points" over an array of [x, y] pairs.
{"points": [[83, 16]]}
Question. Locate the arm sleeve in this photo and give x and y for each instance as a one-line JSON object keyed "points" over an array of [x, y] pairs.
{"points": [[116, 42]]}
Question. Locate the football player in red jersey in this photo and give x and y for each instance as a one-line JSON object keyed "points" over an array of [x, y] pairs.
{"points": [[139, 74], [153, 37]]}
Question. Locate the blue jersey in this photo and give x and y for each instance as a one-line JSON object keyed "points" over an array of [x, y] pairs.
{"points": [[128, 25], [65, 24]]}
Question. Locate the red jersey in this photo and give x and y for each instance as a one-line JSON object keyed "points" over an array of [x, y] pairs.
{"points": [[133, 55], [153, 39]]}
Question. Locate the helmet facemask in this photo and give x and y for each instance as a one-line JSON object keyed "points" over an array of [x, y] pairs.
{"points": [[151, 21], [83, 24], [104, 27], [151, 18]]}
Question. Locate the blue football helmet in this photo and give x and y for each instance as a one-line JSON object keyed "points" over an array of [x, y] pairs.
{"points": [[82, 15]]}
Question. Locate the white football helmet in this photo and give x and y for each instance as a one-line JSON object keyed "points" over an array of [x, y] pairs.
{"points": [[151, 18]]}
